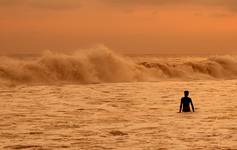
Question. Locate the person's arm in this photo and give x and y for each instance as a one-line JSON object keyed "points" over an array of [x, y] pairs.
{"points": [[180, 107], [192, 105]]}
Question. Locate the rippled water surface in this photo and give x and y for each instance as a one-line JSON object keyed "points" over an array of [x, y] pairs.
{"points": [[119, 116]]}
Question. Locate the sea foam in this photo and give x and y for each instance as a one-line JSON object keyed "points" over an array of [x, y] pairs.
{"points": [[101, 65]]}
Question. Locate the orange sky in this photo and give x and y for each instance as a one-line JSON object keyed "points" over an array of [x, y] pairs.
{"points": [[132, 26]]}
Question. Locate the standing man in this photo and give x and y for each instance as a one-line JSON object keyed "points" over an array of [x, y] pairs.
{"points": [[185, 102]]}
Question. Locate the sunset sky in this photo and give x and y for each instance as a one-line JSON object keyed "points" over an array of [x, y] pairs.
{"points": [[129, 26]]}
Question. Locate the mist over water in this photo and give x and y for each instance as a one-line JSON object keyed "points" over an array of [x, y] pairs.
{"points": [[101, 65]]}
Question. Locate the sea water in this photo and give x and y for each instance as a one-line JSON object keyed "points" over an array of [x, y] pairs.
{"points": [[101, 100]]}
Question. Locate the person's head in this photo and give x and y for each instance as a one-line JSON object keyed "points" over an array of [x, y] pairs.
{"points": [[186, 93]]}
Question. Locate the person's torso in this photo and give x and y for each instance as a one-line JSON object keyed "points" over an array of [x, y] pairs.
{"points": [[186, 101]]}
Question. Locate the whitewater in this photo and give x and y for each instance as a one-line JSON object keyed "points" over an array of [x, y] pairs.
{"points": [[104, 66], [97, 99]]}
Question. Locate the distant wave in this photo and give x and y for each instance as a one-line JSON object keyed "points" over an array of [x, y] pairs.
{"points": [[102, 65], [215, 67]]}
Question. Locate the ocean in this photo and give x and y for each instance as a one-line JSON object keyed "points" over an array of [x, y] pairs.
{"points": [[97, 99]]}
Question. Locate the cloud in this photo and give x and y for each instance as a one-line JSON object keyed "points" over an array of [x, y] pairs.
{"points": [[45, 4], [230, 4], [152, 2], [142, 2], [69, 4]]}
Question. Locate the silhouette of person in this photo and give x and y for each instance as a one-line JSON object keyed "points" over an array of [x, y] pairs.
{"points": [[185, 102]]}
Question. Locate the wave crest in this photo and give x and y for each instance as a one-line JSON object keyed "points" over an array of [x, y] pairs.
{"points": [[102, 65]]}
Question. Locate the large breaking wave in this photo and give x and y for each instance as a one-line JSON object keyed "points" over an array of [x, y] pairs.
{"points": [[104, 66]]}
